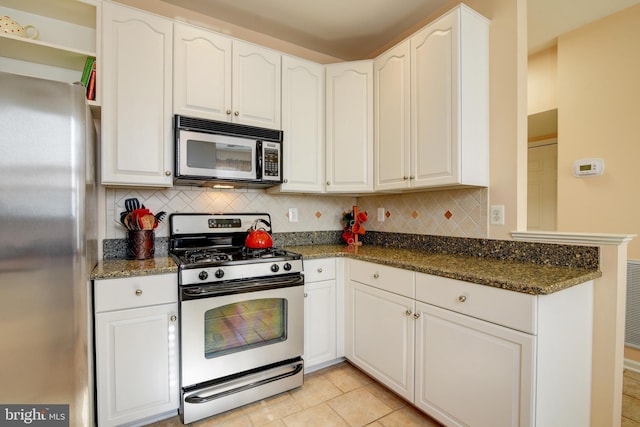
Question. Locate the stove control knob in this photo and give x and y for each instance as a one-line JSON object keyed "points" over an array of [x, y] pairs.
{"points": [[203, 275], [275, 268], [219, 273], [287, 266]]}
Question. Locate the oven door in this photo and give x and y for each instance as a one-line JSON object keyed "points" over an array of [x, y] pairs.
{"points": [[230, 330], [216, 156]]}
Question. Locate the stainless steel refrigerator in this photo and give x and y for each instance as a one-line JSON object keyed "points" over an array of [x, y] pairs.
{"points": [[48, 244]]}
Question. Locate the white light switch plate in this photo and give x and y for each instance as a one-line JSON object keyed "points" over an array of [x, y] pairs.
{"points": [[293, 214], [380, 214]]}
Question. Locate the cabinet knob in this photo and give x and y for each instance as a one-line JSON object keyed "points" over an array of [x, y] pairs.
{"points": [[376, 275], [407, 312], [462, 298], [405, 178], [328, 182], [412, 177], [319, 269], [236, 113], [138, 292], [285, 180], [173, 318], [228, 112], [167, 173], [306, 294], [416, 315]]}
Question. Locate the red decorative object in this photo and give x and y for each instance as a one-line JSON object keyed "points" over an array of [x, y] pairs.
{"points": [[353, 227]]}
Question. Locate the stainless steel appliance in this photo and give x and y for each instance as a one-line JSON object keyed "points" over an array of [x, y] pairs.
{"points": [[212, 153], [241, 314], [47, 244]]}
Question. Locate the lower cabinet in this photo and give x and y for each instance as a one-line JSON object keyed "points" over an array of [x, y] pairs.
{"points": [[468, 354], [320, 313], [136, 333]]}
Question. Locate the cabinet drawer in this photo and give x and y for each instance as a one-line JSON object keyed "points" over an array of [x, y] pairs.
{"points": [[390, 279], [511, 309], [131, 292], [317, 270]]}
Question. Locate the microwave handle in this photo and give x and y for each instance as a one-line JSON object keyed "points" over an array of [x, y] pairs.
{"points": [[259, 156]]}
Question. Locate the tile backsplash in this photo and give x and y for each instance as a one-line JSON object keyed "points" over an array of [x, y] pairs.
{"points": [[456, 213]]}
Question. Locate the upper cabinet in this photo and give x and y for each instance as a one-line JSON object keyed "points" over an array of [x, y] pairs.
{"points": [[137, 130], [220, 78], [349, 127], [302, 125], [432, 106], [66, 36]]}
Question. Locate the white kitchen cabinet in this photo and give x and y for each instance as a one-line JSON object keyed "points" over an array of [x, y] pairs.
{"points": [[471, 372], [380, 325], [349, 127], [392, 149], [320, 313], [137, 130], [450, 101], [220, 78], [303, 126], [67, 36], [136, 333]]}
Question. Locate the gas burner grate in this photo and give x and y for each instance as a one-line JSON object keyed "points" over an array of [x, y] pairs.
{"points": [[200, 256], [262, 253]]}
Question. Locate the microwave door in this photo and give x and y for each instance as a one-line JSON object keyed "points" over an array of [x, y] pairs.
{"points": [[217, 156]]}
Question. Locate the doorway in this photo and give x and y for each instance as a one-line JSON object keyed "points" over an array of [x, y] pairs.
{"points": [[542, 171]]}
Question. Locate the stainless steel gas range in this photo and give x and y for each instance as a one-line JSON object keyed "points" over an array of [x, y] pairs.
{"points": [[241, 314]]}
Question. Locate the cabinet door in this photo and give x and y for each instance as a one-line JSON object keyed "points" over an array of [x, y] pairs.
{"points": [[303, 125], [349, 124], [319, 322], [392, 114], [471, 372], [137, 135], [136, 363], [380, 329], [202, 73], [256, 85]]}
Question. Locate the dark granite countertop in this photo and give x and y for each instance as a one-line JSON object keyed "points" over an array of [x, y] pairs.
{"points": [[516, 276]]}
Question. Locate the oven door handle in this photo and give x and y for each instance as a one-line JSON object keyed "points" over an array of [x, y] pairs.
{"points": [[246, 383], [253, 285]]}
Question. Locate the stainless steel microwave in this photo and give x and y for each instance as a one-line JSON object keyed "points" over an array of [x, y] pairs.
{"points": [[221, 154]]}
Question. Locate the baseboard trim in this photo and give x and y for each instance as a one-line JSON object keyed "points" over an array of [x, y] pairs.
{"points": [[632, 365]]}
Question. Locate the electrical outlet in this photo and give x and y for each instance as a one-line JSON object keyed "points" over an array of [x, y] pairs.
{"points": [[293, 214], [380, 214], [497, 215]]}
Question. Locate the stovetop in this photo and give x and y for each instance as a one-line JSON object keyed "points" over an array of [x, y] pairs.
{"points": [[210, 248]]}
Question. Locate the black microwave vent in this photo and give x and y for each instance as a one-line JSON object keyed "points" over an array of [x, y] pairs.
{"points": [[225, 128]]}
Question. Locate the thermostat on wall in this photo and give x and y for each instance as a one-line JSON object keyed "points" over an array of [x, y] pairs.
{"points": [[588, 167]]}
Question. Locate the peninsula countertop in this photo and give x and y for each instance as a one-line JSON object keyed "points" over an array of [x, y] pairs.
{"points": [[530, 278]]}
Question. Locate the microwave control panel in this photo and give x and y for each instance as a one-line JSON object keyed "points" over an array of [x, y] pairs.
{"points": [[271, 160]]}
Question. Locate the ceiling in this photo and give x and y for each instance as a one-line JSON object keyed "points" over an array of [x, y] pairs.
{"points": [[354, 29]]}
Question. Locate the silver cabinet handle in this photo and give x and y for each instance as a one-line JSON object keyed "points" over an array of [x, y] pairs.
{"points": [[306, 294], [407, 312], [138, 292], [167, 173], [320, 270], [405, 178], [328, 182], [462, 298], [416, 315], [285, 180], [376, 275], [173, 318], [236, 113], [228, 112]]}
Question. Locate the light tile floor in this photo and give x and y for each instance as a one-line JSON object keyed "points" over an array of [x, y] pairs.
{"points": [[342, 395]]}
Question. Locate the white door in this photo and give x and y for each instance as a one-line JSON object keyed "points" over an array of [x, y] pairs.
{"points": [[319, 322], [137, 126], [392, 114], [256, 85], [380, 328], [472, 373], [349, 126], [542, 186], [137, 363], [303, 125], [202, 73]]}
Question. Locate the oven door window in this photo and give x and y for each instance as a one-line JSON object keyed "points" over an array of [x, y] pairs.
{"points": [[243, 325]]}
